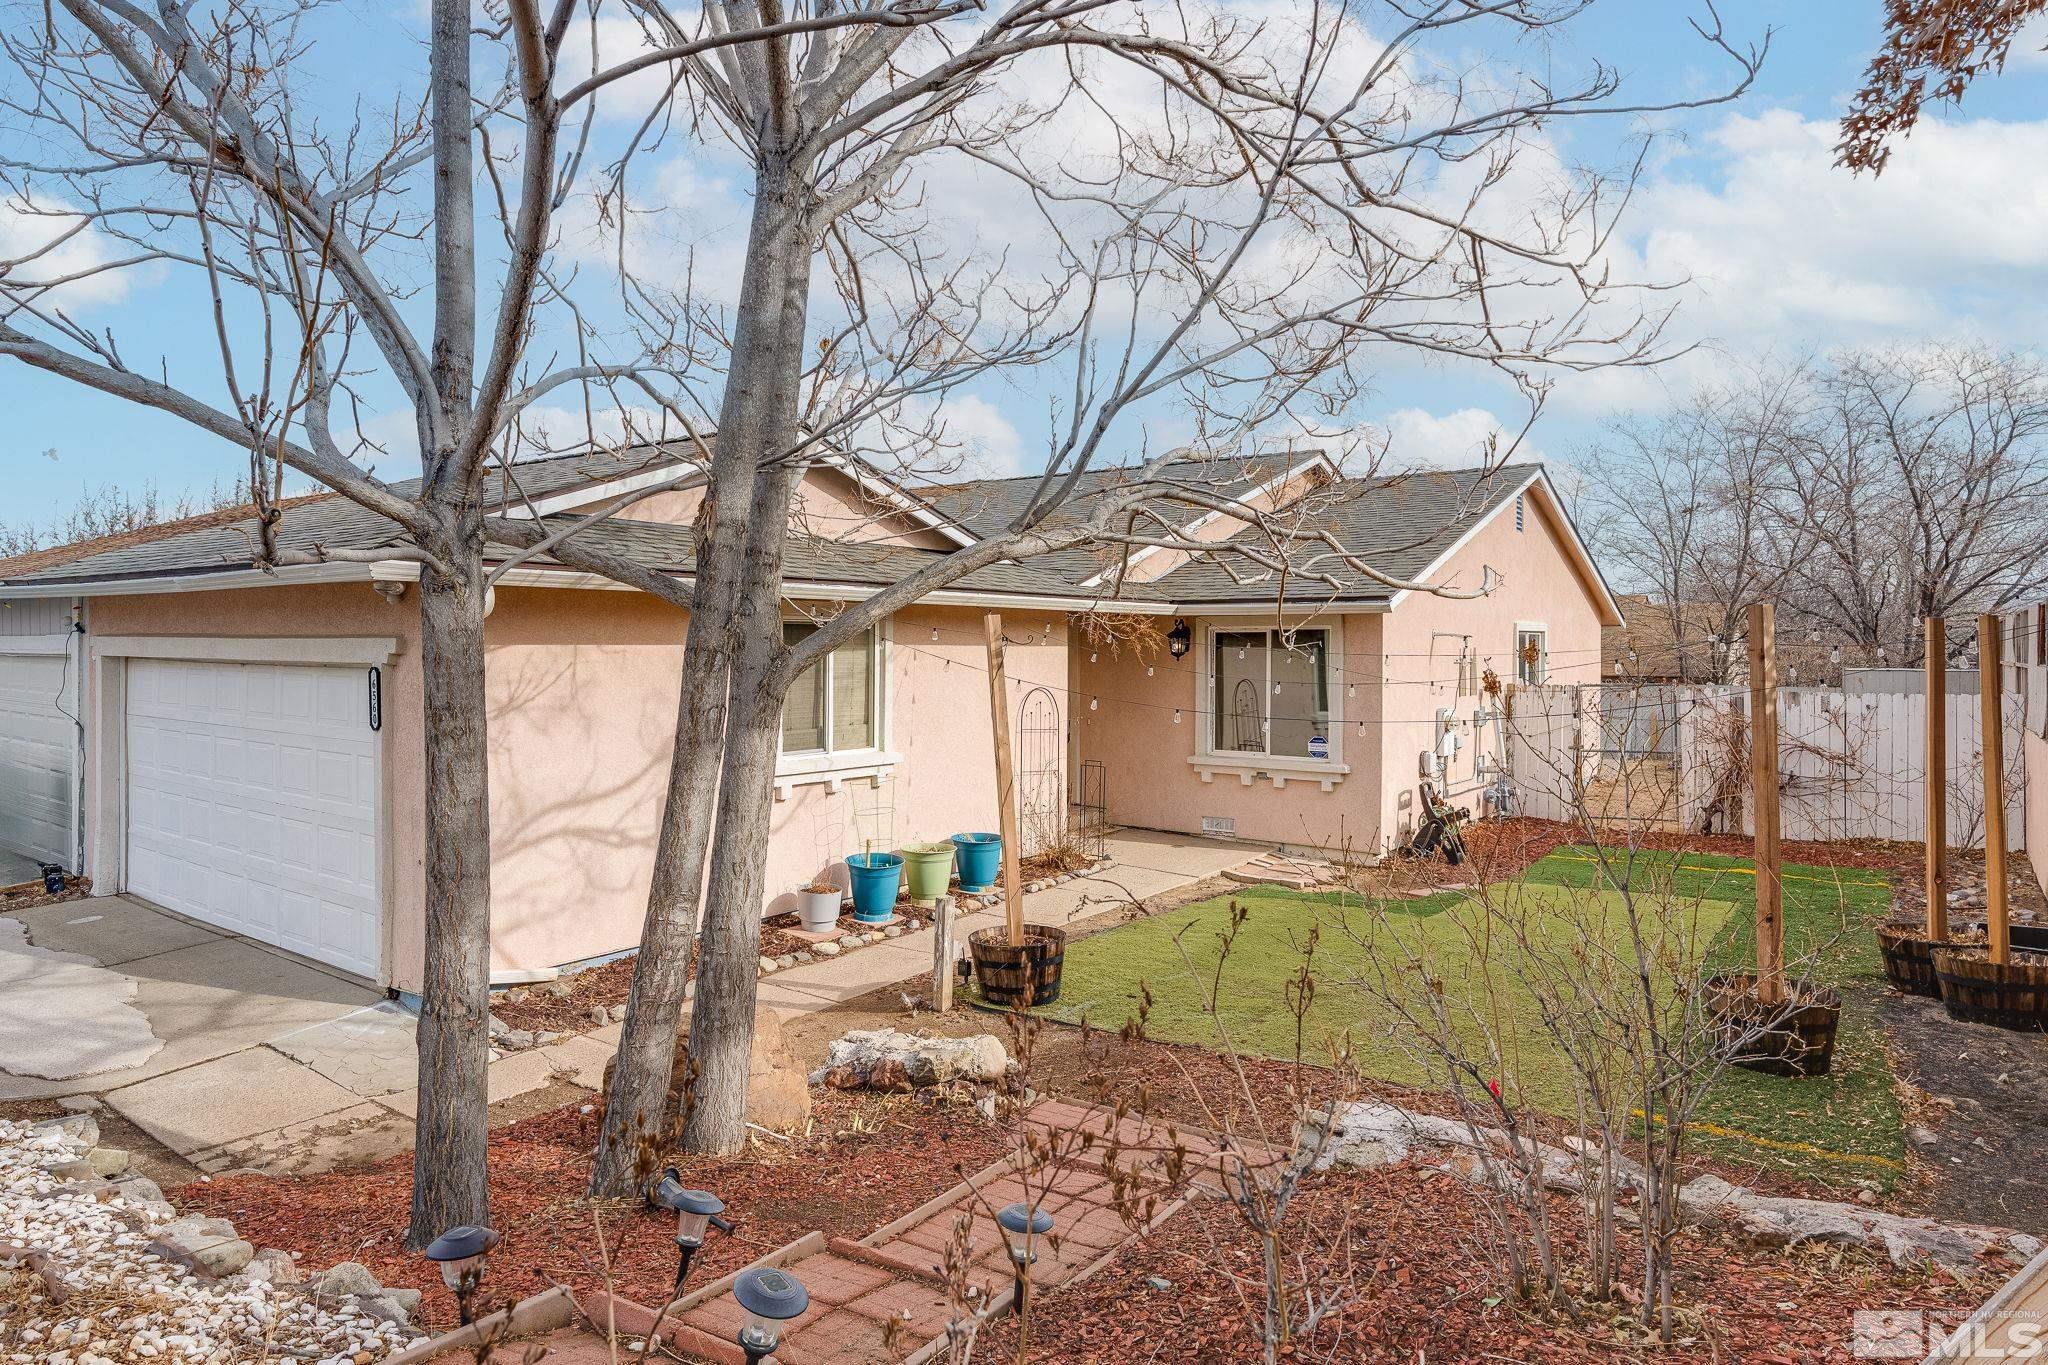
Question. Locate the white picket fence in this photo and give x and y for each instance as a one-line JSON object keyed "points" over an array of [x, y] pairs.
{"points": [[1851, 766]]}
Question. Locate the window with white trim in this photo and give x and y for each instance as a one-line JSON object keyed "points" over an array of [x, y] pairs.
{"points": [[1532, 657], [831, 706], [1270, 693]]}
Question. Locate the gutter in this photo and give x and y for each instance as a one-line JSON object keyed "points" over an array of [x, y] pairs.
{"points": [[407, 571]]}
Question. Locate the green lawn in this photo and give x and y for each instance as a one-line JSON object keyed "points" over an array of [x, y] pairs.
{"points": [[1841, 1127]]}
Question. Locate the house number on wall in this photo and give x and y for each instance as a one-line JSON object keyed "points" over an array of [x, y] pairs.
{"points": [[376, 699]]}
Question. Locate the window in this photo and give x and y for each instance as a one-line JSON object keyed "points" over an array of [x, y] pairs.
{"points": [[1532, 656], [831, 706], [1269, 696]]}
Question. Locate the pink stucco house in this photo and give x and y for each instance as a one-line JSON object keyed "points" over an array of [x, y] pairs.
{"points": [[244, 747]]}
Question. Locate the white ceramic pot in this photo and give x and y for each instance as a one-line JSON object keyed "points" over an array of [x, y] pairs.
{"points": [[819, 909]]}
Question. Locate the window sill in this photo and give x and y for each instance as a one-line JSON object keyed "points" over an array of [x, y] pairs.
{"points": [[1278, 771], [832, 771]]}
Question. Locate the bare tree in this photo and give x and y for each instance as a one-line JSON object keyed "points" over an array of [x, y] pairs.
{"points": [[179, 140], [1280, 205], [1688, 505], [1917, 490]]}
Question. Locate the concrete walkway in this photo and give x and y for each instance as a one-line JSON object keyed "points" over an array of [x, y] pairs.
{"points": [[271, 1061]]}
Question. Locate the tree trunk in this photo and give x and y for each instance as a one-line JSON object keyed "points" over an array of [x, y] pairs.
{"points": [[450, 1184], [756, 421], [634, 1109], [722, 1025]]}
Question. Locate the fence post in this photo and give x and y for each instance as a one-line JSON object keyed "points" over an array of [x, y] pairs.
{"points": [[944, 919], [1006, 783], [1937, 779], [1763, 783], [1990, 699]]}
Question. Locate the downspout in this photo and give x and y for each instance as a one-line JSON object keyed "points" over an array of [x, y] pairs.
{"points": [[76, 647]]}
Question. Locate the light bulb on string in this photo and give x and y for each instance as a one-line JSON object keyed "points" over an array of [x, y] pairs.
{"points": [[935, 634], [1094, 702], [1240, 653], [1176, 715], [1093, 656], [1148, 670]]}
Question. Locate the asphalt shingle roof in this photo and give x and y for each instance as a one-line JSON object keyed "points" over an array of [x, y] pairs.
{"points": [[1401, 523]]}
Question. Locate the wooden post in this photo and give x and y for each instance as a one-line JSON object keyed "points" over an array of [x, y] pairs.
{"points": [[1937, 779], [1997, 926], [1006, 793], [1763, 784], [945, 918]]}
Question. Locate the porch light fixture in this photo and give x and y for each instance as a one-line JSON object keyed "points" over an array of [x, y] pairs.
{"points": [[1180, 639], [1023, 1225], [460, 1253], [696, 1212], [770, 1298]]}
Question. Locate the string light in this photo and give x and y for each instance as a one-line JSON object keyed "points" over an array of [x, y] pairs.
{"points": [[1148, 670], [1092, 656], [935, 634], [1094, 702], [1176, 715]]}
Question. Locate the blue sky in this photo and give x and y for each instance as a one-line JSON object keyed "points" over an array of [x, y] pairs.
{"points": [[1785, 254]]}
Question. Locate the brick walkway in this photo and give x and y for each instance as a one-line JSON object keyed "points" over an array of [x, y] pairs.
{"points": [[1085, 1163]]}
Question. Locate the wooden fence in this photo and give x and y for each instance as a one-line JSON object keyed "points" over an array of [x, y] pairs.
{"points": [[1851, 766]]}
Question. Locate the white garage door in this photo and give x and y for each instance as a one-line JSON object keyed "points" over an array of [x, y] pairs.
{"points": [[37, 742], [252, 802]]}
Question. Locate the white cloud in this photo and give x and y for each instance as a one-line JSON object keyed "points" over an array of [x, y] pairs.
{"points": [[49, 231], [1468, 437]]}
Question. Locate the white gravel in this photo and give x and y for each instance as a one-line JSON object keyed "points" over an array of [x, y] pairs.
{"points": [[130, 1307]]}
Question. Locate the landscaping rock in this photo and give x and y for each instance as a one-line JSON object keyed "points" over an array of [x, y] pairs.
{"points": [[81, 1104], [600, 1015], [385, 1308], [847, 941], [515, 1040], [767, 964], [1371, 1135], [83, 1129], [204, 1246], [825, 949], [349, 1279], [273, 1267], [777, 1096], [885, 1059], [107, 1161], [1769, 1220], [786, 960], [558, 988]]}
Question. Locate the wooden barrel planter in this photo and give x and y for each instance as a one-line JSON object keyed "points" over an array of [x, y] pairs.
{"points": [[2008, 994], [1026, 975], [1908, 958], [1793, 1038]]}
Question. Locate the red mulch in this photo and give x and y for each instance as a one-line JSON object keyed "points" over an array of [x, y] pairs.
{"points": [[1406, 1255], [1504, 848], [869, 1159]]}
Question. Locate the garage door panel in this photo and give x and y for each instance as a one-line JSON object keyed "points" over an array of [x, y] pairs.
{"points": [[38, 742], [252, 803]]}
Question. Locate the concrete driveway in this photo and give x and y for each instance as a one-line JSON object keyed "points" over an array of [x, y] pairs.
{"points": [[254, 1056]]}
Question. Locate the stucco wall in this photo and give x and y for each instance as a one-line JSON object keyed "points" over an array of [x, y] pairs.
{"points": [[1540, 584], [582, 689], [336, 610], [1145, 753]]}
